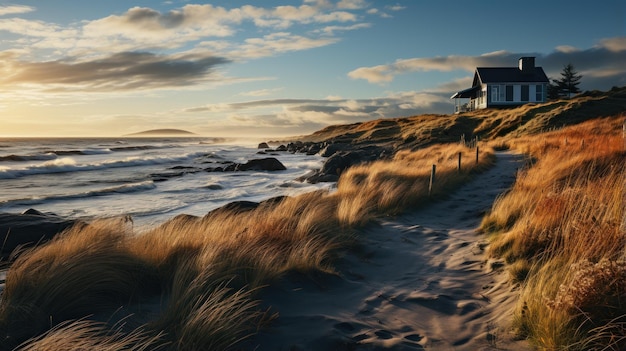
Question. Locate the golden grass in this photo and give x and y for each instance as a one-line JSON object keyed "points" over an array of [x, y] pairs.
{"points": [[391, 186], [566, 215], [203, 273]]}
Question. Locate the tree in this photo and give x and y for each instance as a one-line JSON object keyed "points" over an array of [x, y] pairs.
{"points": [[568, 84], [553, 90]]}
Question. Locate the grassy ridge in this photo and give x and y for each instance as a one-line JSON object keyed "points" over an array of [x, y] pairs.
{"points": [[190, 283]]}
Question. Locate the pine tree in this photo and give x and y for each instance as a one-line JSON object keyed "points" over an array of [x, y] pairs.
{"points": [[553, 90], [568, 84]]}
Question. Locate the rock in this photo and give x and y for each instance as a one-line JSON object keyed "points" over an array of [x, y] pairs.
{"points": [[263, 146], [233, 207], [281, 148], [28, 229], [245, 206], [344, 156], [262, 164], [331, 149]]}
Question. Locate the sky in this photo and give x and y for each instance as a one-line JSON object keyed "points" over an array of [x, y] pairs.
{"points": [[263, 69]]}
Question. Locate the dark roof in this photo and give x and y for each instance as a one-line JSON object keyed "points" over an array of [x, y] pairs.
{"points": [[467, 93], [509, 75]]}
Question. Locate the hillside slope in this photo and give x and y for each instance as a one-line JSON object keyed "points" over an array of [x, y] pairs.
{"points": [[419, 131]]}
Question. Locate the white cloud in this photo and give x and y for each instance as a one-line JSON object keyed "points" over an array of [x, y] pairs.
{"points": [[330, 30], [277, 43], [396, 7], [351, 4], [260, 92], [566, 49], [15, 9], [614, 44]]}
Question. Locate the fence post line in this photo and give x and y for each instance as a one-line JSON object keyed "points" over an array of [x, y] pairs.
{"points": [[459, 166], [432, 180]]}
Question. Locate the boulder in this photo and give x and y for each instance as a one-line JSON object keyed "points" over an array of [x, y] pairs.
{"points": [[28, 229], [262, 164], [331, 149], [343, 157], [263, 146]]}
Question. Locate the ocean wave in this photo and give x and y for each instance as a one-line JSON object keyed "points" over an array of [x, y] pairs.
{"points": [[24, 158], [88, 151], [135, 148], [120, 189], [68, 164]]}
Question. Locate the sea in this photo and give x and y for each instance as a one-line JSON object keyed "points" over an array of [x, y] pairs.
{"points": [[149, 179]]}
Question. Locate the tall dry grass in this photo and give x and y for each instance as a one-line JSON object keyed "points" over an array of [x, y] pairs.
{"points": [[190, 283], [392, 186], [562, 229]]}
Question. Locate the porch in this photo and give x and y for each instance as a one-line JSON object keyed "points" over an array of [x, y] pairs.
{"points": [[466, 100]]}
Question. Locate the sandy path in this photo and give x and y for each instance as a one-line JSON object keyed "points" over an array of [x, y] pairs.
{"points": [[420, 281]]}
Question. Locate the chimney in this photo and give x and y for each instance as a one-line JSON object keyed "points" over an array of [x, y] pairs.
{"points": [[527, 64]]}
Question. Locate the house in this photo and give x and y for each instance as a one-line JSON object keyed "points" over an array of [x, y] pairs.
{"points": [[503, 86]]}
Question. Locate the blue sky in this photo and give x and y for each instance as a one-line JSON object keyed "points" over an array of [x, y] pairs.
{"points": [[267, 69]]}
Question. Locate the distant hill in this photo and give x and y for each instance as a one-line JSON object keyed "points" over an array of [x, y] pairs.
{"points": [[163, 132]]}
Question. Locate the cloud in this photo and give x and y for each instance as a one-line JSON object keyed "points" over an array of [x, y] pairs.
{"points": [[37, 29], [260, 92], [396, 7], [120, 71], [331, 110], [330, 30], [351, 4], [143, 49], [276, 43], [15, 9], [608, 56]]}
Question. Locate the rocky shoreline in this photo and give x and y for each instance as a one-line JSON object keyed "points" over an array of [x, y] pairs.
{"points": [[23, 230]]}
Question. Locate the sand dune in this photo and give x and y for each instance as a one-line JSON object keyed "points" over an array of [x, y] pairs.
{"points": [[419, 281]]}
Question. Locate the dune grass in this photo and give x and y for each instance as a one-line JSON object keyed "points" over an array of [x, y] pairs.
{"points": [[562, 231], [191, 283]]}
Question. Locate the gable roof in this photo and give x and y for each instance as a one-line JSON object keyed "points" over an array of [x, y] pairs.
{"points": [[509, 75]]}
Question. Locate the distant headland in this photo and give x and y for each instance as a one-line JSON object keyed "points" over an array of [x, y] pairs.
{"points": [[163, 132]]}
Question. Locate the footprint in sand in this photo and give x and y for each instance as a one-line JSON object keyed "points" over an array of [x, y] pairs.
{"points": [[384, 334], [414, 337]]}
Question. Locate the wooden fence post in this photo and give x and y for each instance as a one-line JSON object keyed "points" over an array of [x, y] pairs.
{"points": [[432, 180], [459, 166], [477, 151]]}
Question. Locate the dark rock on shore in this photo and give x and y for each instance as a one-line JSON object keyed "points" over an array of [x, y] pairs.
{"points": [[28, 229], [263, 146], [245, 206], [262, 164], [342, 156]]}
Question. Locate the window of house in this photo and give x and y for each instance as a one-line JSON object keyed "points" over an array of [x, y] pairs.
{"points": [[525, 93], [509, 93], [497, 93], [539, 92]]}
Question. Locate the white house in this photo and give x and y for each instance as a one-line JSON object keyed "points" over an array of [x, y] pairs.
{"points": [[503, 86]]}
